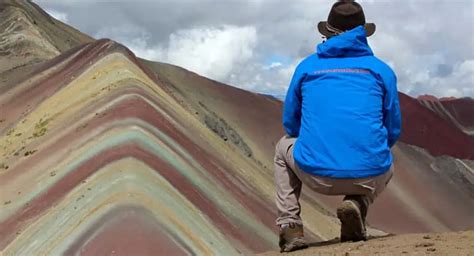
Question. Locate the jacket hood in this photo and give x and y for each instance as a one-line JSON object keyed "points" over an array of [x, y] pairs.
{"points": [[352, 43]]}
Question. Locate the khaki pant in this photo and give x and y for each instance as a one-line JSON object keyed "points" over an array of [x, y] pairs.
{"points": [[289, 179]]}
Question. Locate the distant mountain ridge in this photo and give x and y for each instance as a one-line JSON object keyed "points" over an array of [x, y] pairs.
{"points": [[428, 97]]}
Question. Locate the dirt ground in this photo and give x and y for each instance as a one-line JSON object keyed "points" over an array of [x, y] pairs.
{"points": [[455, 243]]}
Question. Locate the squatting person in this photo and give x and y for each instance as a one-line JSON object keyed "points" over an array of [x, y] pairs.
{"points": [[341, 116]]}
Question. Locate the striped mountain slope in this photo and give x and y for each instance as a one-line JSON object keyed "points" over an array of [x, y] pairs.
{"points": [[112, 140]]}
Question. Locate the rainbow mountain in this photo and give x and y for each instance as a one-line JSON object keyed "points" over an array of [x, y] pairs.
{"points": [[102, 152]]}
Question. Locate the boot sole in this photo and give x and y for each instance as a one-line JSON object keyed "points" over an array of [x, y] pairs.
{"points": [[352, 227], [296, 244]]}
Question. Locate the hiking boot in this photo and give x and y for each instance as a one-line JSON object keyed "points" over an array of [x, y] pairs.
{"points": [[291, 237], [352, 216]]}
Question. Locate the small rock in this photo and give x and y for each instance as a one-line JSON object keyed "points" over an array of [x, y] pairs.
{"points": [[30, 152], [424, 244], [431, 249], [7, 202], [426, 237]]}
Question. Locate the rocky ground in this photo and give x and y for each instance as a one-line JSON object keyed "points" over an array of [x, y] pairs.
{"points": [[455, 243]]}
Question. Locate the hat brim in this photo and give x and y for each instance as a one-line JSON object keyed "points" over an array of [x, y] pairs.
{"points": [[369, 28]]}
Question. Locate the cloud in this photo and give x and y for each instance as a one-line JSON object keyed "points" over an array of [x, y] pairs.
{"points": [[62, 16], [273, 65], [462, 76], [234, 41], [212, 52], [135, 38], [430, 55]]}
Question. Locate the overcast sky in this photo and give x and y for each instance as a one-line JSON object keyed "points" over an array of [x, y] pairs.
{"points": [[256, 44]]}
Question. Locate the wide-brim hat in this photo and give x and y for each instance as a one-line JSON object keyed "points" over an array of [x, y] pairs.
{"points": [[345, 15]]}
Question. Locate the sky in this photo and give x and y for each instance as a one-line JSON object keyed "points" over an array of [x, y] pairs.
{"points": [[256, 44]]}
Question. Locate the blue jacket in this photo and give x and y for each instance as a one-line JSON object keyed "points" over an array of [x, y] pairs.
{"points": [[343, 106]]}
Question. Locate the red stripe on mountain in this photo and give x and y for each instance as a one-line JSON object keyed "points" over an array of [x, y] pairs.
{"points": [[127, 230], [424, 128]]}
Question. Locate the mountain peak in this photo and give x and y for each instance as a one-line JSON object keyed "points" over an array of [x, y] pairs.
{"points": [[30, 35], [429, 97]]}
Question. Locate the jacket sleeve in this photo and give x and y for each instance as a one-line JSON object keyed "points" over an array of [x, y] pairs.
{"points": [[292, 106], [391, 109]]}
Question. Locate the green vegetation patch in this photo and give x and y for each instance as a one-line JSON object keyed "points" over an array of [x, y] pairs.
{"points": [[41, 128]]}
